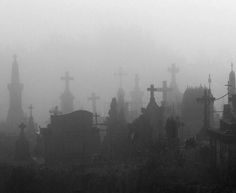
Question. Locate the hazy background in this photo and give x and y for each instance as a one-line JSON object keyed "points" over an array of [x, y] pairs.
{"points": [[92, 38]]}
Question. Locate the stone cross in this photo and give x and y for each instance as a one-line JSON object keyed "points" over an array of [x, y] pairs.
{"points": [[93, 98], [120, 74], [67, 79], [164, 91], [152, 89]]}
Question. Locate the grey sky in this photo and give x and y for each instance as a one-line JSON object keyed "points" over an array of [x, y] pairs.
{"points": [[92, 38]]}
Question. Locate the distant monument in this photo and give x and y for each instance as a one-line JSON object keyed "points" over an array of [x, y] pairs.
{"points": [[147, 129], [136, 99], [70, 138], [116, 140], [192, 112], [208, 104], [174, 97], [155, 114], [15, 113], [67, 99]]}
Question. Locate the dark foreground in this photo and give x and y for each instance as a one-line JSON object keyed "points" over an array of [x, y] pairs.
{"points": [[166, 172]]}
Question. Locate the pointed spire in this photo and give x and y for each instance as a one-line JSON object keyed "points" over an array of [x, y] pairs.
{"points": [[232, 66], [15, 77]]}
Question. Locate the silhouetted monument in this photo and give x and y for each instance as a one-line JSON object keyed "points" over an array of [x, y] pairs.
{"points": [[222, 140], [174, 97], [147, 129], [15, 113], [172, 127], [67, 99], [192, 112], [208, 103], [136, 100], [116, 139], [22, 152], [71, 138]]}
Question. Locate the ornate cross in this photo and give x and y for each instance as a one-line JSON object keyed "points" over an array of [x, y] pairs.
{"points": [[67, 79], [152, 89], [164, 91], [120, 74]]}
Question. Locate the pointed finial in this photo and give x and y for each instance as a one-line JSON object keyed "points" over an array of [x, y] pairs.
{"points": [[232, 66]]}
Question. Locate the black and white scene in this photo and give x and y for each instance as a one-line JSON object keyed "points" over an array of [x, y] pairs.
{"points": [[117, 96]]}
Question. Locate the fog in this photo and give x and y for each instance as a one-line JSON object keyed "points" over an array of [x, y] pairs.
{"points": [[93, 38]]}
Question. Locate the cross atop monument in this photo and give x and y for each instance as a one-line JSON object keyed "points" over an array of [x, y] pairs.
{"points": [[152, 89], [67, 79], [31, 110], [164, 91], [173, 70], [93, 98], [120, 74]]}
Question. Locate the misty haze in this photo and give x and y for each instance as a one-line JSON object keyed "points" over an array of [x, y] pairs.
{"points": [[117, 96]]}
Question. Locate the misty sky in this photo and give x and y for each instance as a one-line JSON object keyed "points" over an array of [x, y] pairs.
{"points": [[92, 38]]}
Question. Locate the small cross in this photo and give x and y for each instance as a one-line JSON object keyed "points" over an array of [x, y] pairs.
{"points": [[152, 89], [93, 98], [164, 91], [67, 79], [120, 74]]}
